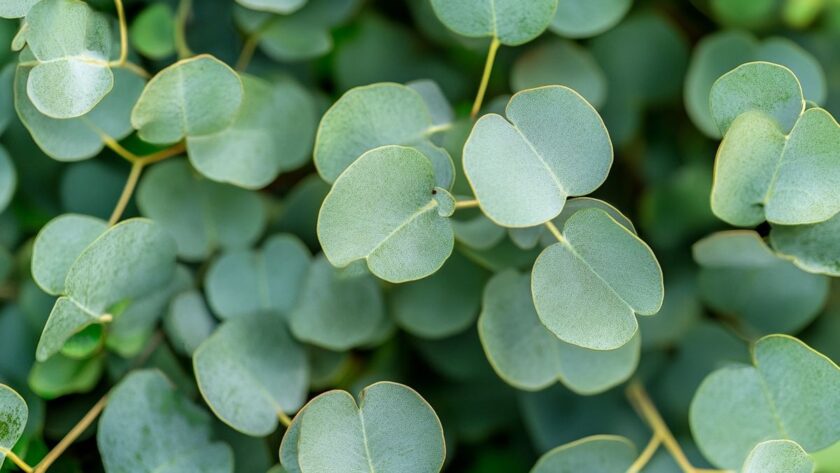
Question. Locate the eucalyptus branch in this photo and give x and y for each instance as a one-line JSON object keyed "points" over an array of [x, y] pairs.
{"points": [[71, 436], [284, 419], [485, 78], [247, 53], [181, 45], [555, 231], [123, 32], [16, 460], [466, 204], [647, 454]]}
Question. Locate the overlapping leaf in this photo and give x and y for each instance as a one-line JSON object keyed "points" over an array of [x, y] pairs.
{"points": [[814, 248], [585, 18], [13, 416], [188, 322], [601, 453], [778, 456], [512, 22]]}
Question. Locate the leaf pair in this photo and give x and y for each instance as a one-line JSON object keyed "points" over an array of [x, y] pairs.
{"points": [[76, 257], [392, 429]]}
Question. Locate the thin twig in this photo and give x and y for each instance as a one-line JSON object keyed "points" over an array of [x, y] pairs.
{"points": [[181, 45], [128, 190], [644, 458], [123, 33], [466, 204], [71, 436], [485, 78], [16, 460], [555, 231], [284, 419], [247, 53]]}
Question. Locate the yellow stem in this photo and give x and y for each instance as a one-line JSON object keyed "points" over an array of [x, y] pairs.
{"points": [[284, 419], [71, 436], [554, 231], [133, 68], [181, 45], [646, 455], [16, 460], [167, 153], [128, 190], [123, 32], [466, 204], [247, 53], [485, 79]]}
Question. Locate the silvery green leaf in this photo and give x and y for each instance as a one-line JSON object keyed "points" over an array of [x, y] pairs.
{"points": [[436, 101], [601, 453], [188, 322], [512, 22], [778, 456], [283, 7], [814, 248], [13, 416], [585, 18], [15, 8]]}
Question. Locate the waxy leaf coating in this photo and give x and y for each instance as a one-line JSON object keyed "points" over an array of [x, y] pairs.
{"points": [[553, 145], [585, 18], [778, 456], [250, 370], [376, 115], [601, 453], [814, 248], [588, 287], [13, 416], [392, 429], [512, 22], [149, 427], [386, 210], [528, 356], [791, 392], [193, 97]]}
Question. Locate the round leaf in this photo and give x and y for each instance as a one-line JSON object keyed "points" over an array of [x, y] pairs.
{"points": [[512, 22], [528, 356], [13, 417], [778, 456], [388, 202], [250, 371], [153, 31], [554, 146], [8, 179], [585, 18], [57, 246], [814, 248], [587, 287], [188, 322], [601, 453], [193, 97], [284, 7]]}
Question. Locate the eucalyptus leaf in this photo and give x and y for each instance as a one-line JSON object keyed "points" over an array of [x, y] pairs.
{"points": [[553, 146], [601, 453], [391, 429], [250, 371], [8, 179], [148, 426], [585, 18], [188, 322], [13, 416], [203, 216], [57, 246], [386, 210], [153, 31], [376, 115], [61, 375], [275, 6], [15, 8], [791, 392], [182, 101], [71, 44], [588, 287], [528, 356], [512, 22], [814, 248], [778, 456]]}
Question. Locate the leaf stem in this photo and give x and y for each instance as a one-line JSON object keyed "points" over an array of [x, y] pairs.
{"points": [[137, 69], [16, 460], [181, 45], [128, 190], [123, 33], [71, 436], [466, 204], [247, 53], [284, 419], [646, 455], [555, 231], [485, 79]]}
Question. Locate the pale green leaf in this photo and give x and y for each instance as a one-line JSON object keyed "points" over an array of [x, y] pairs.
{"points": [[203, 216], [253, 281], [250, 371], [283, 7], [553, 146], [8, 179], [757, 86], [778, 456], [588, 287], [478, 232], [61, 375], [14, 414], [15, 8], [386, 210], [57, 246], [526, 355], [152, 32], [513, 22], [598, 453], [148, 427], [188, 322], [814, 248], [436, 102], [792, 392], [337, 312], [741, 277], [376, 115], [391, 430], [193, 97], [585, 18]]}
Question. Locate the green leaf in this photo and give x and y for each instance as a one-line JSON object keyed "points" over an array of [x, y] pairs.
{"points": [[152, 33], [96, 280], [8, 179], [392, 429], [588, 287], [778, 456], [554, 146], [762, 174], [13, 417], [193, 97], [436, 101], [386, 210], [71, 44], [791, 392], [478, 232], [80, 138], [601, 453], [269, 280], [284, 7], [203, 216], [57, 246], [376, 115], [148, 427], [526, 355], [15, 8], [814, 248], [586, 18], [443, 304], [250, 371], [61, 375], [561, 62], [741, 276], [512, 22], [188, 322], [272, 132], [757, 86], [720, 52], [336, 311]]}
